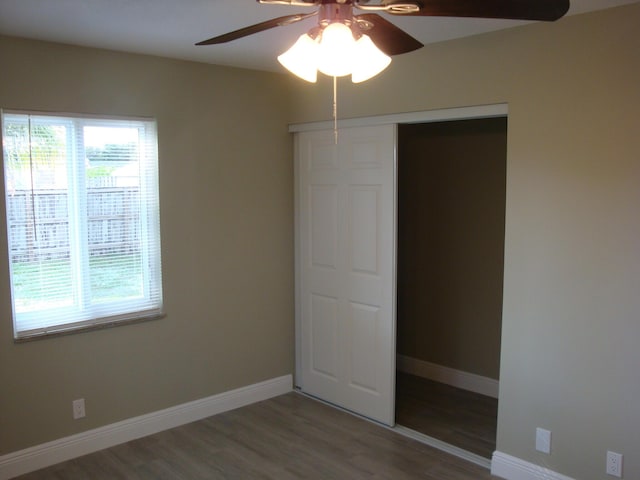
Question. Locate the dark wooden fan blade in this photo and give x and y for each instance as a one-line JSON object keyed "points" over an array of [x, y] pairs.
{"points": [[258, 27], [387, 37], [546, 10]]}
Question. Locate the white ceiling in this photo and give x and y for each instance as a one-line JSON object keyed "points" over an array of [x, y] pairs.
{"points": [[170, 28]]}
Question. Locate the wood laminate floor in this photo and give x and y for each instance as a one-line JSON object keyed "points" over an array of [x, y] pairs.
{"points": [[458, 417], [287, 437]]}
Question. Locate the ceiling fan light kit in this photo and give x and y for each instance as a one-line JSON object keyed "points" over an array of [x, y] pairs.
{"points": [[337, 48]]}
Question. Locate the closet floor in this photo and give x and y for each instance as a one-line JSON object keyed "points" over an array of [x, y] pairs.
{"points": [[455, 416]]}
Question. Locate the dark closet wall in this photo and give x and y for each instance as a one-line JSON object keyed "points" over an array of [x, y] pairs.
{"points": [[451, 207]]}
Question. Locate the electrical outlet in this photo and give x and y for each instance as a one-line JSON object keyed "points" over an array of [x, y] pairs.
{"points": [[614, 464], [543, 440], [78, 409]]}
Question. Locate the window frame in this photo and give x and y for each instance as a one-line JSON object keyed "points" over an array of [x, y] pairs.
{"points": [[96, 315]]}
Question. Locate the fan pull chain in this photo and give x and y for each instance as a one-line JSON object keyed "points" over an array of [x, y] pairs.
{"points": [[335, 110]]}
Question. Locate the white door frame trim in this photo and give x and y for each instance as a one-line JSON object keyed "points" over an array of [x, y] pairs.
{"points": [[426, 116]]}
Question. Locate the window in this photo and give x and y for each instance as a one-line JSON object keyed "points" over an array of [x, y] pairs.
{"points": [[82, 221]]}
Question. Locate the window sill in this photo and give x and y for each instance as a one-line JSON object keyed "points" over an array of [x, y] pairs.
{"points": [[72, 330]]}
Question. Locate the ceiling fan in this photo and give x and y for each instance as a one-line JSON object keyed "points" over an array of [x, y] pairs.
{"points": [[361, 45], [389, 38], [370, 38]]}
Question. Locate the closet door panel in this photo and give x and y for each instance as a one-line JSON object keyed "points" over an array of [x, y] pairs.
{"points": [[346, 261]]}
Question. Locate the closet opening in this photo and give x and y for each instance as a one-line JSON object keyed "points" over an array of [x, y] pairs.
{"points": [[450, 265]]}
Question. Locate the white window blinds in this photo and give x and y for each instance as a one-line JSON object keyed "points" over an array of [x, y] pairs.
{"points": [[82, 221]]}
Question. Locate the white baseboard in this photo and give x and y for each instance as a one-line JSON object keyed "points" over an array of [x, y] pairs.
{"points": [[50, 453], [512, 468], [456, 378]]}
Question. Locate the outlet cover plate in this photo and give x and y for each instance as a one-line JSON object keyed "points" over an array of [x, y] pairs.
{"points": [[614, 464], [543, 440], [78, 409]]}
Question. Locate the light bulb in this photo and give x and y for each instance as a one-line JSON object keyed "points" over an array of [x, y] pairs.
{"points": [[335, 52], [368, 60], [301, 58]]}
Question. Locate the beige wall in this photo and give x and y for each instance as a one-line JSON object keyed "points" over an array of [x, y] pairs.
{"points": [[227, 242], [451, 200], [571, 312]]}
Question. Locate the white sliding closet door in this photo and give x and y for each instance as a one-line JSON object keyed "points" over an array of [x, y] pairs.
{"points": [[346, 234]]}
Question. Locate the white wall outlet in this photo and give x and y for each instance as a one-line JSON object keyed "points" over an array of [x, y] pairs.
{"points": [[614, 464], [78, 408], [543, 440]]}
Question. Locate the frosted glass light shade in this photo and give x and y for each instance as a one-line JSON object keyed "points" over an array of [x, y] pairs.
{"points": [[335, 52], [368, 60], [301, 59]]}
